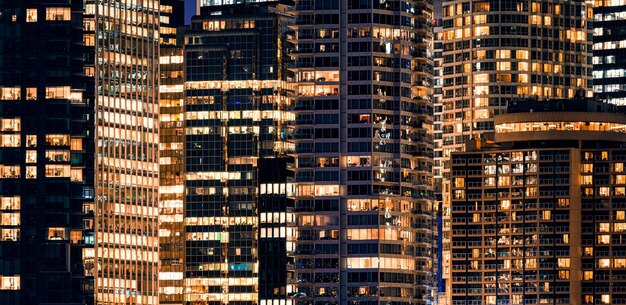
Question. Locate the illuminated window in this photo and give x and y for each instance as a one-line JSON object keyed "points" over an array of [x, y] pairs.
{"points": [[618, 167], [61, 92], [620, 215], [604, 263], [10, 234], [604, 239], [10, 219], [564, 274], [9, 171], [588, 251], [606, 299], [588, 275], [604, 191], [76, 144], [54, 171], [9, 282], [31, 172], [10, 140], [10, 93], [31, 141], [31, 94], [76, 174], [57, 140], [563, 262], [31, 15], [58, 14], [57, 234]]}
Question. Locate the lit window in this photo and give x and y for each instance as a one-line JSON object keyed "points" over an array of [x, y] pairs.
{"points": [[604, 263], [58, 14], [61, 92], [57, 234], [588, 275], [10, 93], [604, 239], [31, 15], [10, 140], [31, 94], [10, 219], [605, 227], [31, 172], [9, 282], [57, 171], [31, 141], [77, 144], [10, 234]]}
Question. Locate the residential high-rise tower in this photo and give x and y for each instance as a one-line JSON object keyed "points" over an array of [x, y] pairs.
{"points": [[364, 230], [537, 216], [496, 51], [609, 45]]}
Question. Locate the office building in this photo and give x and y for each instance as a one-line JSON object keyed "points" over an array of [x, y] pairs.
{"points": [[495, 51], [127, 166], [609, 45], [538, 215], [79, 152], [236, 112], [364, 230], [171, 154]]}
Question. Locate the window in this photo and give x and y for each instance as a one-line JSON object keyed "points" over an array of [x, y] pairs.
{"points": [[57, 140], [61, 92], [31, 15], [588, 275], [31, 141], [31, 172], [604, 239], [31, 94], [9, 282], [57, 170], [58, 14], [10, 219], [10, 93], [57, 234], [77, 144], [604, 263]]}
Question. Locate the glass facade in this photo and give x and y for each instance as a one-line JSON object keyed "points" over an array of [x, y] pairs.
{"points": [[126, 157], [609, 45], [236, 112], [46, 138], [364, 230], [171, 155]]}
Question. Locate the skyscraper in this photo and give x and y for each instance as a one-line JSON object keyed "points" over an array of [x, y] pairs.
{"points": [[364, 219], [609, 45], [79, 152], [126, 158], [171, 154], [537, 216], [495, 51], [47, 137], [236, 112]]}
